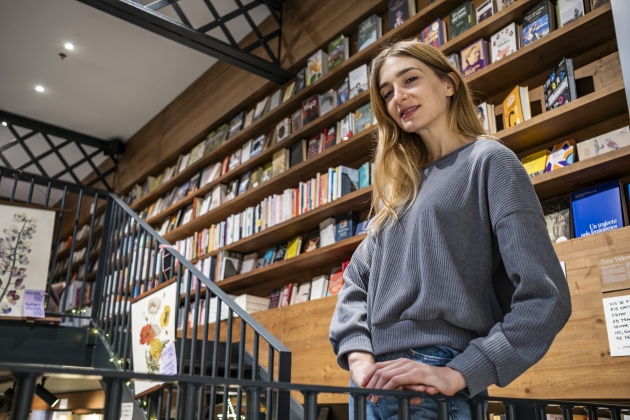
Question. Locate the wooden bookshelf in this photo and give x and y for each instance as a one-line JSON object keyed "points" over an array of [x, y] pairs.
{"points": [[306, 132], [81, 243], [598, 106], [75, 266]]}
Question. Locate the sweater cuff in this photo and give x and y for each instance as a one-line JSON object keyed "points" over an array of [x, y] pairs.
{"points": [[478, 371], [355, 341]]}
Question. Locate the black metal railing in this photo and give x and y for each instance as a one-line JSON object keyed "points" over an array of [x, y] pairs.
{"points": [[193, 388], [132, 259]]}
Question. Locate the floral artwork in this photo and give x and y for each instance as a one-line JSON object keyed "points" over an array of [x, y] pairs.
{"points": [[153, 329], [24, 233]]}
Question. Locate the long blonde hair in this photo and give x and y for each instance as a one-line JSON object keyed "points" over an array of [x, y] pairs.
{"points": [[399, 154]]}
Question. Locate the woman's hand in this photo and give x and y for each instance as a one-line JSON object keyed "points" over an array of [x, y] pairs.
{"points": [[360, 364], [414, 376]]}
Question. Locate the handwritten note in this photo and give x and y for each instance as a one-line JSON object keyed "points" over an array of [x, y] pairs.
{"points": [[126, 411], [169, 360], [34, 303], [617, 311]]}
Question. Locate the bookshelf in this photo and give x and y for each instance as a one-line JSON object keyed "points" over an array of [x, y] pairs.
{"points": [[304, 327]]}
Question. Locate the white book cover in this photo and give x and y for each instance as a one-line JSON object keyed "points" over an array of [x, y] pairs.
{"points": [[245, 151], [218, 196], [275, 100], [358, 80], [205, 206], [318, 287], [504, 42], [184, 163], [569, 10], [216, 171], [303, 293], [485, 10], [482, 114], [327, 232], [603, 144], [260, 108], [205, 176]]}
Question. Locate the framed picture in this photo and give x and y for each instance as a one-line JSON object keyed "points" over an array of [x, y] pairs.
{"points": [[26, 236], [153, 330]]}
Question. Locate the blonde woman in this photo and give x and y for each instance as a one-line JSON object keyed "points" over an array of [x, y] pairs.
{"points": [[452, 210]]}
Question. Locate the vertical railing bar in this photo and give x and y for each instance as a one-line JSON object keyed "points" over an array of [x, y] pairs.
{"points": [[47, 195], [510, 411], [541, 411], [155, 262], [253, 403], [120, 286], [53, 260], [159, 404], [360, 410], [88, 251], [127, 293], [255, 362], [145, 278], [113, 399], [71, 255], [478, 410], [29, 197], [204, 344], [567, 412], [228, 360], [16, 177], [241, 362], [178, 401], [169, 402], [195, 319], [114, 274], [215, 355], [403, 409], [186, 317], [591, 412], [443, 411], [189, 407], [270, 369], [110, 224]]}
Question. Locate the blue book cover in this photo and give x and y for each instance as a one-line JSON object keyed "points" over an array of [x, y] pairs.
{"points": [[344, 225], [364, 175], [268, 257], [596, 210], [362, 227]]}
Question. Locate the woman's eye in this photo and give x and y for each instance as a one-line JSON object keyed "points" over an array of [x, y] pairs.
{"points": [[411, 79], [387, 94]]}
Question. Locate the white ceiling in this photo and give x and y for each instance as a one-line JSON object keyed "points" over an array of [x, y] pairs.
{"points": [[117, 77]]}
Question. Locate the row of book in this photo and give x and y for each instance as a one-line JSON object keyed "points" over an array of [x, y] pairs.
{"points": [[82, 232], [227, 264], [563, 154], [251, 304], [587, 212]]}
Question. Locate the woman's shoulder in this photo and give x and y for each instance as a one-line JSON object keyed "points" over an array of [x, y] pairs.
{"points": [[487, 149]]}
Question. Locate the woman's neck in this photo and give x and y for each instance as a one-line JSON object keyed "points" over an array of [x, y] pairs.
{"points": [[440, 141]]}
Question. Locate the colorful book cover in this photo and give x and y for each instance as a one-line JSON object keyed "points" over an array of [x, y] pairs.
{"points": [[560, 155], [310, 109], [535, 163], [513, 111], [485, 10], [268, 256], [605, 143], [433, 34], [358, 80], [343, 90], [361, 227], [363, 118], [559, 88], [569, 10], [474, 57], [337, 51], [345, 225], [597, 209], [316, 66], [504, 42], [368, 32], [400, 11], [537, 23], [364, 175], [460, 19], [236, 124]]}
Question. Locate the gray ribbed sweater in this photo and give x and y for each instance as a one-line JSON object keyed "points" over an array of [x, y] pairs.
{"points": [[426, 280]]}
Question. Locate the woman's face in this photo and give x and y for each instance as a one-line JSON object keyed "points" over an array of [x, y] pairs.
{"points": [[474, 56], [414, 95]]}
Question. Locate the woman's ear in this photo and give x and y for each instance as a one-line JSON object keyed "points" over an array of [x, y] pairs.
{"points": [[452, 83]]}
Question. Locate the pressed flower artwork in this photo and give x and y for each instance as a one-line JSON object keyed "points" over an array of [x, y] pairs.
{"points": [[25, 245], [153, 329]]}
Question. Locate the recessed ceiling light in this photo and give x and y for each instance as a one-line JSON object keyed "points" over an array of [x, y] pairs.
{"points": [[4, 123], [39, 88], [69, 46]]}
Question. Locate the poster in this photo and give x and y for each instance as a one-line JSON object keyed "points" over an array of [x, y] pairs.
{"points": [[153, 330], [617, 311], [26, 236]]}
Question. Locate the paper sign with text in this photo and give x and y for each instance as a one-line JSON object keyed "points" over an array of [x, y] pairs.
{"points": [[169, 360], [617, 311], [34, 303]]}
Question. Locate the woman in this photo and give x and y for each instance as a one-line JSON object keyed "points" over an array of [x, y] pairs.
{"points": [[451, 210]]}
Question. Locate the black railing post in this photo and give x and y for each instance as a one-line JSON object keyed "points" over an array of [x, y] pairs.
{"points": [[113, 397], [478, 410], [189, 407], [615, 414], [284, 375], [404, 410], [540, 411], [567, 412], [253, 404], [23, 396], [510, 411], [360, 411], [443, 411], [310, 405], [591, 412]]}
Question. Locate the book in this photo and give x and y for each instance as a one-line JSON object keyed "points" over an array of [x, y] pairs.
{"points": [[232, 190], [343, 92], [327, 232], [358, 81], [249, 118], [288, 91], [455, 61], [300, 81], [314, 146], [246, 151], [502, 4], [570, 10], [516, 108], [361, 227], [434, 34], [560, 155], [370, 30], [260, 108], [598, 3], [345, 225], [310, 109], [482, 113], [597, 209], [346, 127], [268, 256], [194, 183], [604, 143], [296, 121], [235, 160], [230, 264], [311, 243], [293, 248], [537, 22], [280, 252], [460, 19], [257, 146], [363, 118], [274, 299], [303, 293], [297, 153], [365, 175], [348, 180], [335, 283], [319, 286], [236, 124], [484, 11], [504, 42], [274, 101], [559, 88], [256, 177], [535, 163], [338, 51], [474, 57], [316, 66], [283, 129], [400, 11], [327, 102], [244, 182], [557, 218], [183, 164], [330, 137], [249, 262], [267, 171], [280, 162]]}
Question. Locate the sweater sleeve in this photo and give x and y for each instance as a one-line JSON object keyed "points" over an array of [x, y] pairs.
{"points": [[541, 304], [349, 329]]}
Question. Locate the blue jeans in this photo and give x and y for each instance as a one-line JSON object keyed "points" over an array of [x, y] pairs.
{"points": [[387, 408]]}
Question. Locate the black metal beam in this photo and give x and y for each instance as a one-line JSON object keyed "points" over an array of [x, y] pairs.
{"points": [[112, 147], [155, 22]]}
